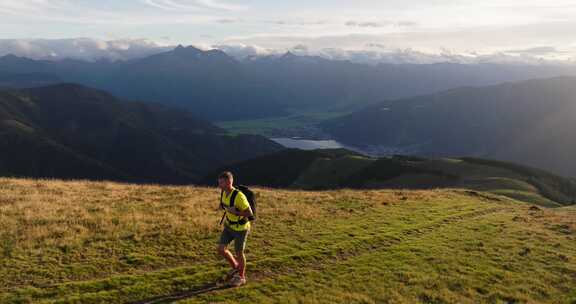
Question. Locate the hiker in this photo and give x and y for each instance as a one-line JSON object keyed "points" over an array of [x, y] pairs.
{"points": [[236, 227]]}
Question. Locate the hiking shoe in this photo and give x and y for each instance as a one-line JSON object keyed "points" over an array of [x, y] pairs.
{"points": [[231, 274], [237, 281]]}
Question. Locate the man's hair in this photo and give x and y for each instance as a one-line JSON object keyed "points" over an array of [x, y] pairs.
{"points": [[226, 175]]}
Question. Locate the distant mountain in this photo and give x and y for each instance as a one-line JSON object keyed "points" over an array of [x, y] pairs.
{"points": [[209, 83], [335, 169], [218, 87], [27, 80], [20, 65], [18, 72], [71, 131], [528, 122]]}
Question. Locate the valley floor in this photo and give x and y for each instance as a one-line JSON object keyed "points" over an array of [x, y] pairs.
{"points": [[101, 242]]}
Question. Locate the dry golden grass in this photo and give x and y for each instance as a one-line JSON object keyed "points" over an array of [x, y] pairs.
{"points": [[51, 212], [56, 212], [39, 213], [71, 240]]}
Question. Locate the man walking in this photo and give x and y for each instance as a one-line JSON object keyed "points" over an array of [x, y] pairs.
{"points": [[236, 227]]}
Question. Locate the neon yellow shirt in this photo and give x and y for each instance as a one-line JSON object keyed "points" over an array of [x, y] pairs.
{"points": [[240, 203]]}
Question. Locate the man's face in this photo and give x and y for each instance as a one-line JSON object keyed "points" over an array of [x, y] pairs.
{"points": [[224, 183]]}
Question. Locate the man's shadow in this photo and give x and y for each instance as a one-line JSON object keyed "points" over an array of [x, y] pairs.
{"points": [[186, 294]]}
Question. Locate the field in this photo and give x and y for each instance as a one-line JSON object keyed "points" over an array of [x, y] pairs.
{"points": [[103, 242], [297, 124]]}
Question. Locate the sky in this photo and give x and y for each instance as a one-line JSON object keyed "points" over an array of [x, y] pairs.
{"points": [[528, 29]]}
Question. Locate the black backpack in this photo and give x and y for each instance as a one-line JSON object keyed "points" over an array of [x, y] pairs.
{"points": [[250, 196]]}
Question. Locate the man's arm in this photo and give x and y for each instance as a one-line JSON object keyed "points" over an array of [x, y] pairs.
{"points": [[244, 213], [242, 207]]}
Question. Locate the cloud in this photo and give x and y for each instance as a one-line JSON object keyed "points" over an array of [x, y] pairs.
{"points": [[376, 53], [540, 50], [511, 41], [302, 23], [390, 56], [80, 48], [376, 45], [242, 51], [193, 5], [53, 11], [220, 5], [406, 24], [380, 24], [137, 12], [229, 21], [366, 24], [300, 48], [18, 7]]}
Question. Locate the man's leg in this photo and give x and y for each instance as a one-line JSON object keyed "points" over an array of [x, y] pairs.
{"points": [[239, 245], [241, 258], [223, 251], [225, 238]]}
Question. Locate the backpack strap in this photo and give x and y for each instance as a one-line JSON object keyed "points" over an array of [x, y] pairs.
{"points": [[221, 202], [240, 222], [222, 206], [233, 197]]}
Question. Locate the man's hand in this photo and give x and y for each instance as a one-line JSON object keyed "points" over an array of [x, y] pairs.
{"points": [[233, 210]]}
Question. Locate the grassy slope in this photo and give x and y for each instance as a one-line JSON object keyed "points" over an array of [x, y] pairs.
{"points": [[495, 179], [87, 242], [517, 182], [325, 173]]}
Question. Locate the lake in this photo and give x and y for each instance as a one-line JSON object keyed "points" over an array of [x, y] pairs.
{"points": [[375, 150], [308, 144]]}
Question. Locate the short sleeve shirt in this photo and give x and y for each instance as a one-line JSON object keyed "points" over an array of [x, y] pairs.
{"points": [[240, 203]]}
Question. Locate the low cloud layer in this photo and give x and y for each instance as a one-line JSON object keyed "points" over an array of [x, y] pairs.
{"points": [[538, 51], [80, 48], [374, 53], [371, 53]]}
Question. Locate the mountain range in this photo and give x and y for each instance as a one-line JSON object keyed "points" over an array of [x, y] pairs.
{"points": [[528, 122], [217, 87], [525, 122], [71, 131]]}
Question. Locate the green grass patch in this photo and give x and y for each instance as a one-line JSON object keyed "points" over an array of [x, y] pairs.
{"points": [[302, 123], [325, 173]]}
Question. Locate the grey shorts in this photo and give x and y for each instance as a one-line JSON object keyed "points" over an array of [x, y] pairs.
{"points": [[239, 238]]}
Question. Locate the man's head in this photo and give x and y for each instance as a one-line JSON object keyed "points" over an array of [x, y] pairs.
{"points": [[225, 180]]}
